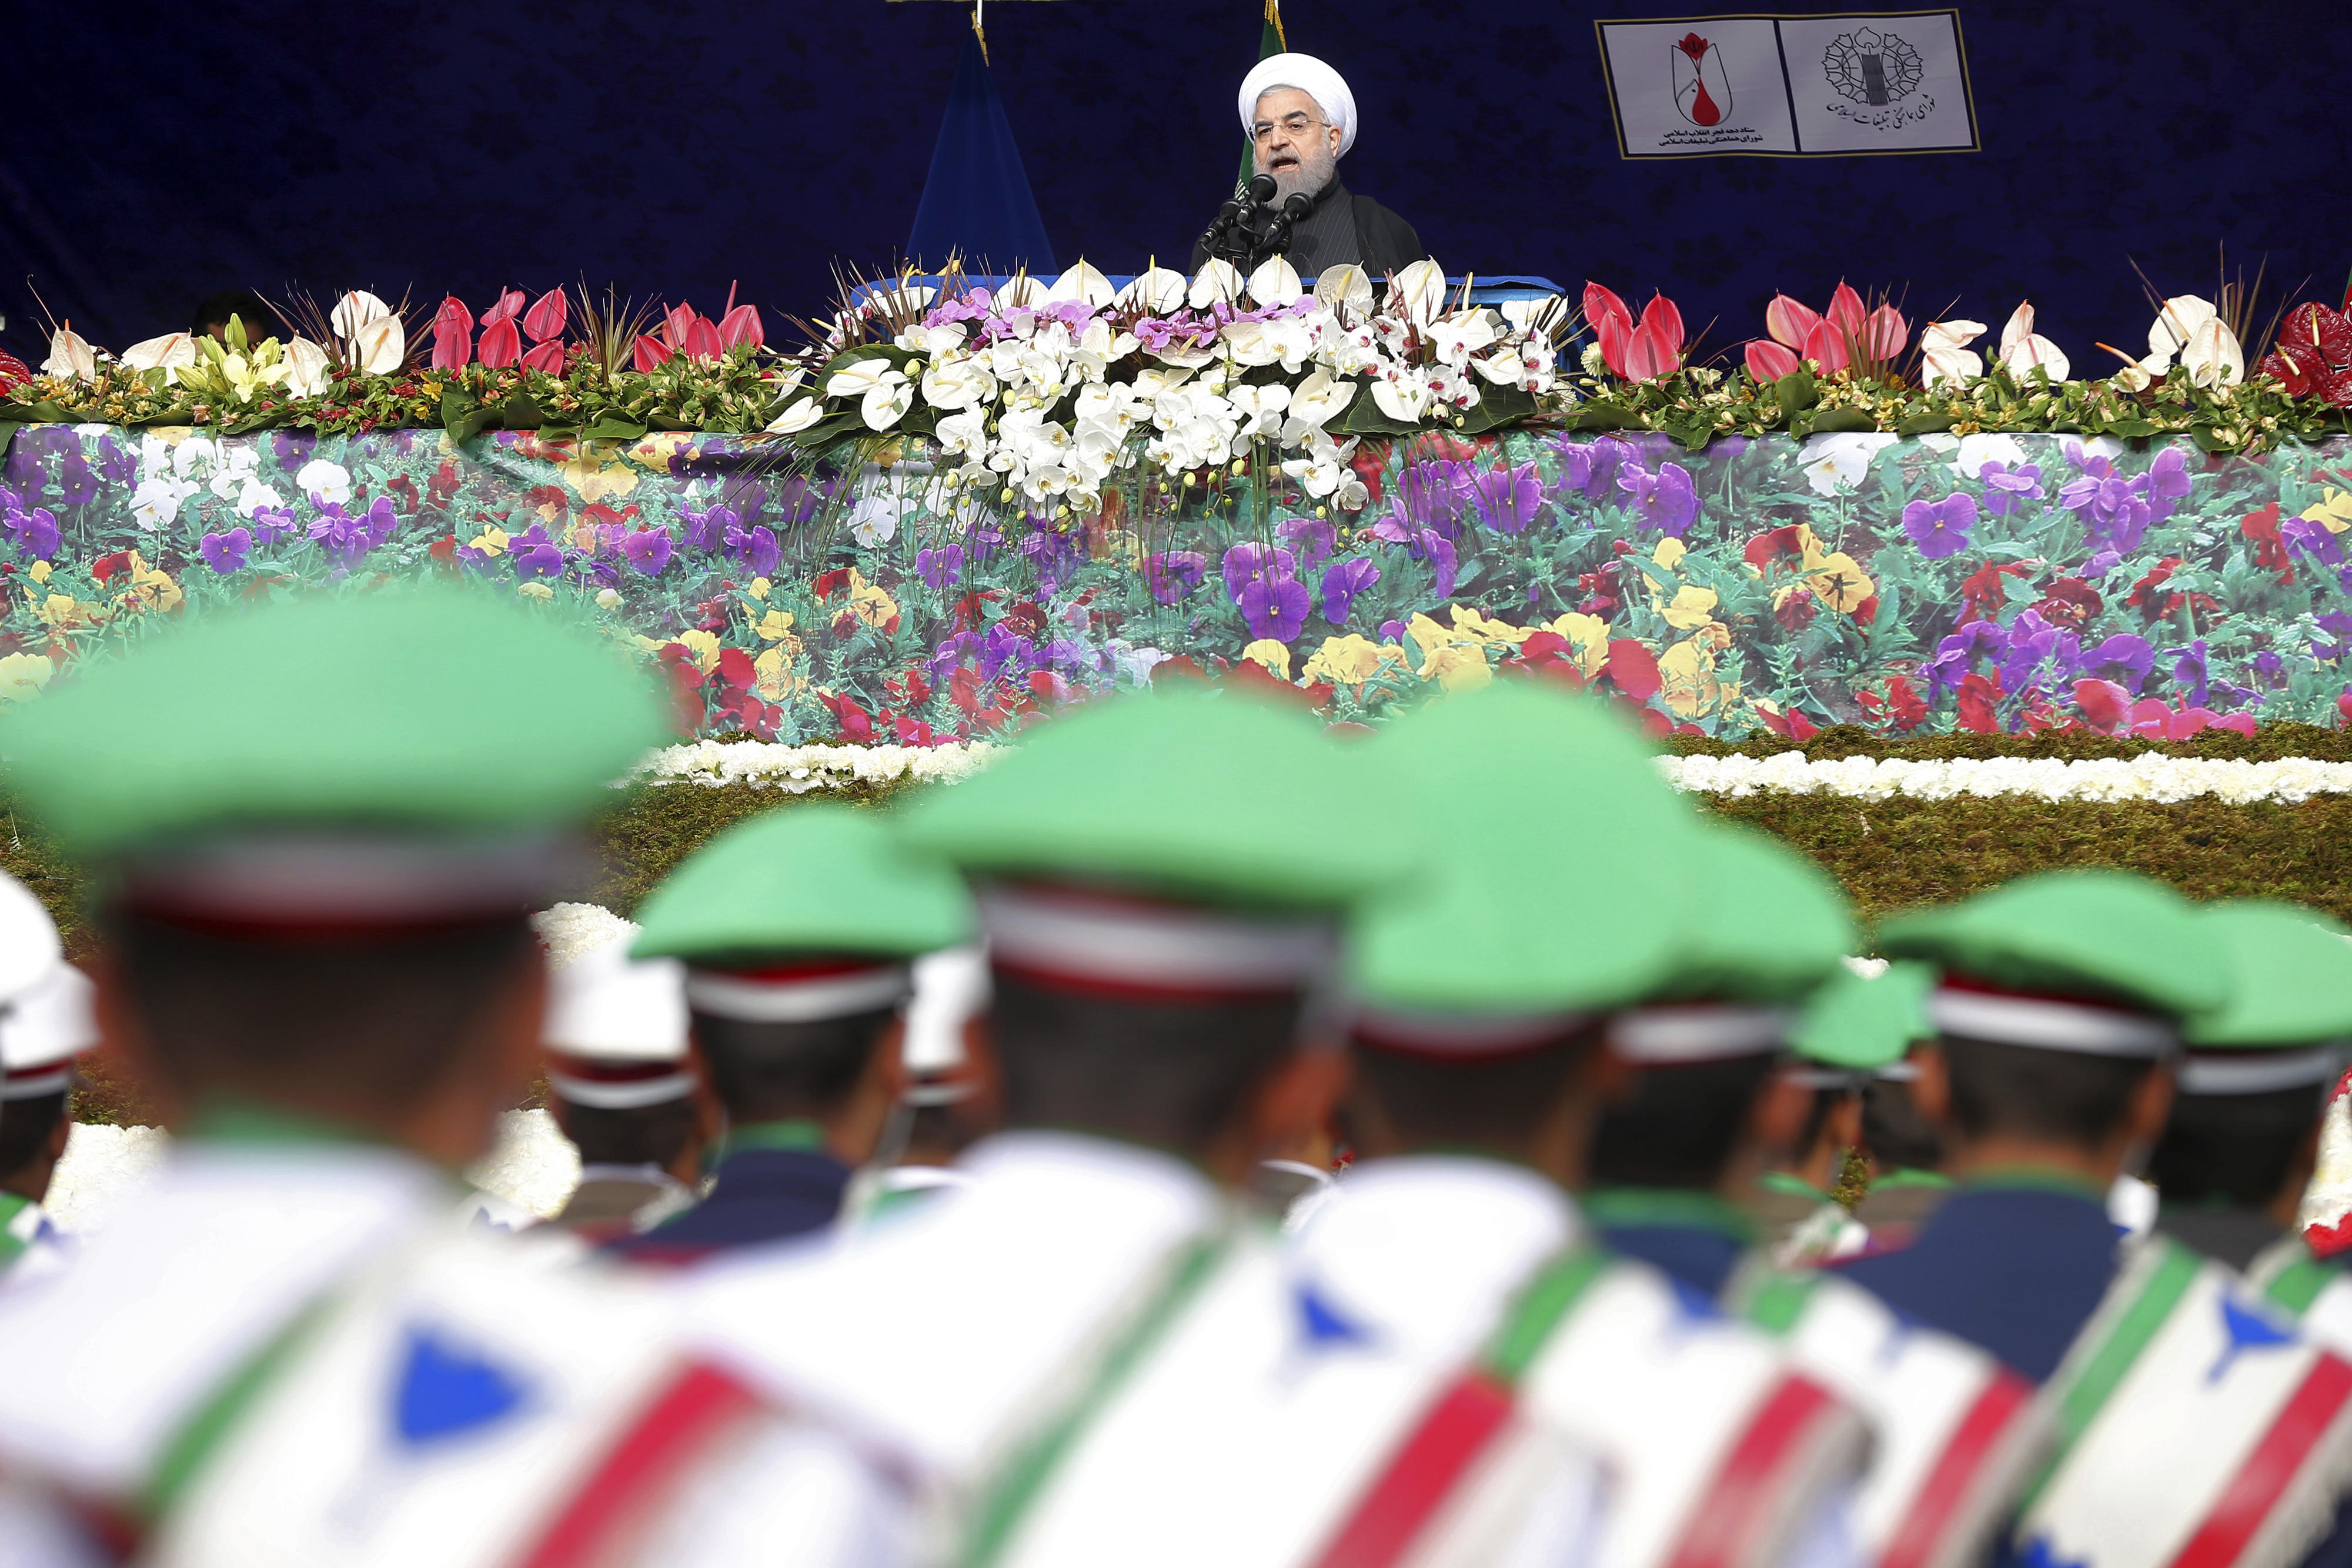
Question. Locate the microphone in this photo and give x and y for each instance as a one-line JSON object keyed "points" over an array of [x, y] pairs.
{"points": [[1261, 189]]}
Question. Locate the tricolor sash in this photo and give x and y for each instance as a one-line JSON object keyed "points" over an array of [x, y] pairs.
{"points": [[2314, 1291], [1958, 1435], [2196, 1428]]}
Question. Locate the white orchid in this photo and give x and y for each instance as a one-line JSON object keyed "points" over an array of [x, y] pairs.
{"points": [[1461, 335], [934, 341], [69, 355], [1083, 283], [2022, 349], [1407, 398], [1247, 343], [963, 435], [1317, 402], [958, 383], [355, 310], [1944, 348], [1105, 344], [797, 417], [171, 353], [1324, 468], [1260, 407]]}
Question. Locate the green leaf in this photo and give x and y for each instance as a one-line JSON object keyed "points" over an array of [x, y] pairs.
{"points": [[1841, 419], [1362, 416], [1601, 414], [1796, 392], [1924, 424], [611, 427], [522, 412], [1497, 406]]}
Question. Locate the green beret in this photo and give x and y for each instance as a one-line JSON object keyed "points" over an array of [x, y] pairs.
{"points": [[428, 711], [2106, 935], [1767, 926], [1211, 796], [1864, 1022], [1557, 861], [806, 879], [2291, 969]]}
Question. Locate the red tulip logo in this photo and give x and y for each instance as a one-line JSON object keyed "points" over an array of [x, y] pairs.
{"points": [[1702, 90]]}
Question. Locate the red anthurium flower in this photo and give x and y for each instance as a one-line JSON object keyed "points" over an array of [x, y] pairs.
{"points": [[502, 344], [1790, 322], [1648, 354], [546, 317], [741, 326], [509, 304], [650, 352], [675, 324], [547, 357], [1768, 362], [701, 340], [1846, 309], [14, 371], [1826, 346], [1661, 317], [1600, 305], [452, 334], [1883, 332]]}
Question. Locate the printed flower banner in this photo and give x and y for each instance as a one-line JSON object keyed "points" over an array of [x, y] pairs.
{"points": [[1995, 583]]}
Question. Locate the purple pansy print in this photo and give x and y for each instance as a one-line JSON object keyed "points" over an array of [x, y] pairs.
{"points": [[1940, 529], [225, 553]]}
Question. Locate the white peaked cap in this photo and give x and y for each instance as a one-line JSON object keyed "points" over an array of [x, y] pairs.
{"points": [[950, 990], [1310, 76], [30, 948], [610, 1007], [42, 1029]]}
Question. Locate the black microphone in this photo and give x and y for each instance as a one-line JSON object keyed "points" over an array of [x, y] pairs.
{"points": [[1261, 189], [1298, 207]]}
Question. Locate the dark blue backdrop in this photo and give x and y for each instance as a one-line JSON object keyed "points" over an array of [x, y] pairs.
{"points": [[156, 152]]}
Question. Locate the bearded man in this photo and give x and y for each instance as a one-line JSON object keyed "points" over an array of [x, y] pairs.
{"points": [[1301, 119]]}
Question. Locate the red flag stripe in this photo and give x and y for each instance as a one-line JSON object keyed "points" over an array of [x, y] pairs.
{"points": [[1956, 1470], [1725, 1531], [1421, 1475], [696, 1404], [2259, 1482]]}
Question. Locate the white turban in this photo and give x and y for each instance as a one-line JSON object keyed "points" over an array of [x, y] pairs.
{"points": [[1310, 76]]}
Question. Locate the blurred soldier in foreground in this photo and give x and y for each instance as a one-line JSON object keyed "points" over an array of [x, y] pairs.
{"points": [[45, 1023], [620, 1088], [797, 930], [2196, 1425], [321, 829], [1156, 877]]}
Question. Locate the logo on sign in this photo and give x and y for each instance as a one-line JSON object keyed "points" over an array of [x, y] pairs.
{"points": [[1702, 90], [1878, 74]]}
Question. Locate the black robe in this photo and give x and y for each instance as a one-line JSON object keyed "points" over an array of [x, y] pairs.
{"points": [[1383, 242]]}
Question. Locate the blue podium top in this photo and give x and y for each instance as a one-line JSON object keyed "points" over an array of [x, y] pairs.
{"points": [[1491, 290]]}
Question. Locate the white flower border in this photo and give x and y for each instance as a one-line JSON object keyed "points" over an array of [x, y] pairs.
{"points": [[796, 769]]}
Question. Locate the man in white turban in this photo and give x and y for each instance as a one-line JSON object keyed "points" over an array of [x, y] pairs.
{"points": [[1301, 119]]}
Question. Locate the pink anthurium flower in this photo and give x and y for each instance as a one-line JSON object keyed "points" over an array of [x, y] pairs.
{"points": [[1648, 354], [1601, 304], [502, 344], [1768, 362], [703, 340], [1846, 309], [650, 352], [509, 304], [741, 326], [452, 334], [1825, 345], [1661, 317], [1790, 322], [674, 325], [1883, 332], [547, 357], [546, 317]]}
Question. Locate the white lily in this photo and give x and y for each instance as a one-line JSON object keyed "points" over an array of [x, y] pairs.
{"points": [[1083, 283], [69, 355], [305, 365], [1216, 284], [1158, 290], [2022, 347], [379, 346], [1276, 282], [170, 353], [1944, 348], [355, 310], [1346, 284], [2213, 357], [1419, 292], [799, 416]]}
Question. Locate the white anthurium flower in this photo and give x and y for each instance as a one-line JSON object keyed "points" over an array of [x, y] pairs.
{"points": [[156, 501], [1406, 399], [797, 416], [1346, 284], [1021, 292], [1505, 366], [1260, 407], [886, 402], [859, 379], [2176, 323], [355, 310], [2022, 347], [378, 346], [1276, 282], [1420, 292], [306, 367], [2213, 357], [330, 482], [1083, 283], [69, 355], [256, 496], [171, 353], [1944, 349], [1318, 399], [1247, 344], [874, 520], [1541, 318], [932, 340], [958, 383], [1216, 284], [963, 435], [1461, 335], [1149, 384], [1158, 290]]}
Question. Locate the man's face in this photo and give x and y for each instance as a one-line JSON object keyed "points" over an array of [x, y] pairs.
{"points": [[1294, 144]]}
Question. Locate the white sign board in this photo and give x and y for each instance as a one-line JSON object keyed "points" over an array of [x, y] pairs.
{"points": [[1809, 86]]}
